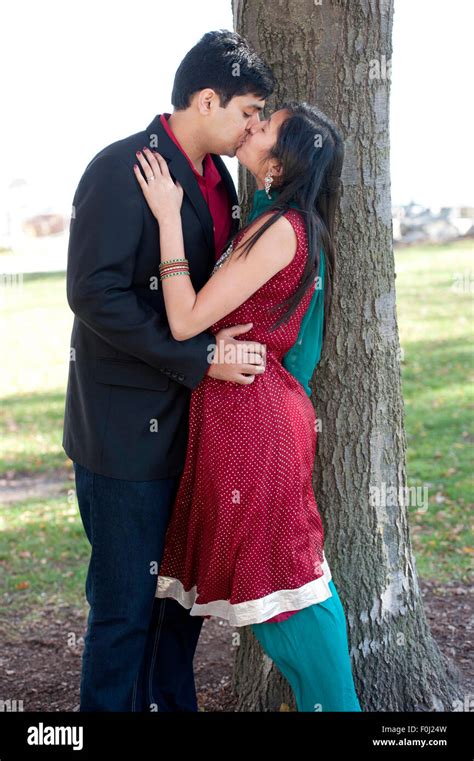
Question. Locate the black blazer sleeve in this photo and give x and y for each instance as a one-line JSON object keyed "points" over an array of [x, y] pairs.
{"points": [[105, 231]]}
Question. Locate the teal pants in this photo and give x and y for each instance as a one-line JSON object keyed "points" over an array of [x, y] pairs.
{"points": [[311, 650]]}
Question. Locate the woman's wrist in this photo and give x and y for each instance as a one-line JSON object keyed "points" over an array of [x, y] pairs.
{"points": [[168, 217]]}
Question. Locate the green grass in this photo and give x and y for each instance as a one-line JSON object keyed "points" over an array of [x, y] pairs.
{"points": [[43, 548], [44, 552], [35, 360], [31, 433], [436, 334], [35, 342]]}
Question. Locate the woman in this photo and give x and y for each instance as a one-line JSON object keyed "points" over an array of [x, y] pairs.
{"points": [[245, 540]]}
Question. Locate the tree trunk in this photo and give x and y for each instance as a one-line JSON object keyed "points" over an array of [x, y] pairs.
{"points": [[337, 54]]}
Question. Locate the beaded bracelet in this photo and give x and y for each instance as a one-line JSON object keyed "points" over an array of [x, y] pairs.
{"points": [[171, 261], [171, 274], [174, 267], [167, 267]]}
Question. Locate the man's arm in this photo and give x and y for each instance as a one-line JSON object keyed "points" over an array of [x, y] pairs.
{"points": [[104, 234]]}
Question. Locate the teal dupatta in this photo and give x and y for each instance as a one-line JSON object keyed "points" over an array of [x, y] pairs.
{"points": [[304, 355]]}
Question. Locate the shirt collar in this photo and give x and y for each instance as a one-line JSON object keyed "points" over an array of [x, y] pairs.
{"points": [[211, 176]]}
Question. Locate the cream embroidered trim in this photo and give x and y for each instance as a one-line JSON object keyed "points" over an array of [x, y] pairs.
{"points": [[251, 611]]}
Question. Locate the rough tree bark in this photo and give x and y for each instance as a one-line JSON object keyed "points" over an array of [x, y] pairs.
{"points": [[336, 54]]}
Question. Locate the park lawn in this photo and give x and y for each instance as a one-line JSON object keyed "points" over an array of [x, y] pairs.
{"points": [[35, 360], [43, 548], [31, 433], [44, 553], [436, 323]]}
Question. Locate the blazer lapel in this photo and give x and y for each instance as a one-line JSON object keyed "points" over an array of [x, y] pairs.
{"points": [[180, 170], [230, 187]]}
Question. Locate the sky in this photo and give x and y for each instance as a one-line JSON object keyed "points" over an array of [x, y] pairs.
{"points": [[77, 76]]}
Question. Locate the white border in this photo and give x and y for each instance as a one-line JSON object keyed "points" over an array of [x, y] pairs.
{"points": [[251, 611]]}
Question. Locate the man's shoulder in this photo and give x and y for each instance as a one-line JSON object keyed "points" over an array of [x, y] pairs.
{"points": [[122, 150]]}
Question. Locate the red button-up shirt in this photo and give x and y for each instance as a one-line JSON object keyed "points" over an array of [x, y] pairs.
{"points": [[214, 192]]}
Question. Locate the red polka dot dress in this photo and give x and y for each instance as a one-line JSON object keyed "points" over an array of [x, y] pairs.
{"points": [[245, 540]]}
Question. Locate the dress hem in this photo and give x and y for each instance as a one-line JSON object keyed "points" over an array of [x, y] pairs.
{"points": [[250, 611]]}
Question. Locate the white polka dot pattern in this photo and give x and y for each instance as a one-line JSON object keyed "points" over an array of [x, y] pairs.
{"points": [[245, 540]]}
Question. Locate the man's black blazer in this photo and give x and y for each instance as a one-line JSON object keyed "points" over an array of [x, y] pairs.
{"points": [[130, 381]]}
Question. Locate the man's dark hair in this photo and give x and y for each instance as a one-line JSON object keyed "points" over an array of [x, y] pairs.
{"points": [[223, 61]]}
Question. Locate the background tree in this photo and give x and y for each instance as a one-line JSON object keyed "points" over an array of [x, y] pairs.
{"points": [[337, 54]]}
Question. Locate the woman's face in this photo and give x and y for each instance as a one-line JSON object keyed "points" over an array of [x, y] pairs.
{"points": [[262, 136]]}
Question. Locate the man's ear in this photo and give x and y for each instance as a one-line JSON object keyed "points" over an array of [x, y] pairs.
{"points": [[205, 100]]}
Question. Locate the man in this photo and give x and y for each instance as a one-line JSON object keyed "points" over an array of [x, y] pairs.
{"points": [[129, 385]]}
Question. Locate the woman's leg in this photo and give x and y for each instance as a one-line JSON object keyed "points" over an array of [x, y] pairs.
{"points": [[311, 650]]}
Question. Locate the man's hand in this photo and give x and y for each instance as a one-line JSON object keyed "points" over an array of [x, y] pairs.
{"points": [[237, 361]]}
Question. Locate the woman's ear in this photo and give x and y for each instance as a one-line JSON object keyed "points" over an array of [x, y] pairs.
{"points": [[276, 169]]}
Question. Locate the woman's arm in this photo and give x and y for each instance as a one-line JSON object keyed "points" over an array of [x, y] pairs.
{"points": [[189, 313], [104, 242]]}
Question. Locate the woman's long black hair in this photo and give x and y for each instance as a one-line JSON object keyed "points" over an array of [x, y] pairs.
{"points": [[311, 152]]}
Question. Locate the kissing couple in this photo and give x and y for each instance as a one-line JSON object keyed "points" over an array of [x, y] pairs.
{"points": [[188, 416]]}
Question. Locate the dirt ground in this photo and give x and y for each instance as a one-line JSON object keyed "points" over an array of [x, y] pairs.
{"points": [[38, 667]]}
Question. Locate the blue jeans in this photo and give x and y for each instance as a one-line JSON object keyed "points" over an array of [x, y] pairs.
{"points": [[139, 649], [311, 650]]}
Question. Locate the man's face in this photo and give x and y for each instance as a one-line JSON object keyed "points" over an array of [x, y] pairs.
{"points": [[229, 126], [254, 151]]}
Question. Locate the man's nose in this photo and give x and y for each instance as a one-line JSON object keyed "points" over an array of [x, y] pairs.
{"points": [[255, 126], [255, 120]]}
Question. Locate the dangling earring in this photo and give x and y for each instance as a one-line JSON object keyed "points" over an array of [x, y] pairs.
{"points": [[268, 183]]}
